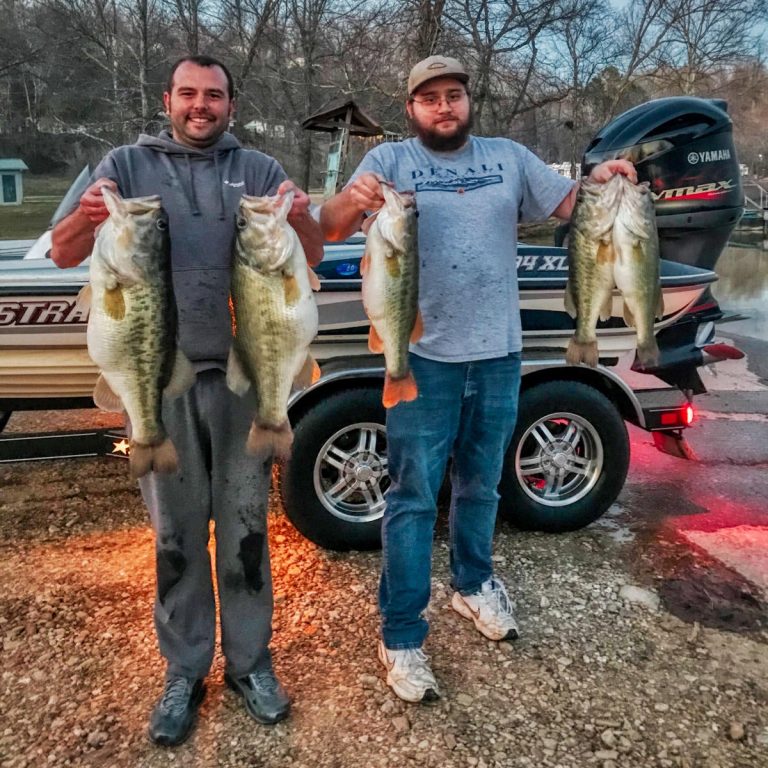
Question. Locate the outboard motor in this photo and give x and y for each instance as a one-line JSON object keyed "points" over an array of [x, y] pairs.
{"points": [[682, 146]]}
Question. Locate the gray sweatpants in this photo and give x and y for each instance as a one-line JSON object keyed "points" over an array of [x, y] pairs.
{"points": [[216, 480]]}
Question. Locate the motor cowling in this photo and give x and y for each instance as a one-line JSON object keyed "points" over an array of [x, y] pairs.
{"points": [[683, 147]]}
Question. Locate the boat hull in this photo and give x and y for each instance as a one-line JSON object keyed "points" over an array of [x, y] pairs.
{"points": [[43, 331]]}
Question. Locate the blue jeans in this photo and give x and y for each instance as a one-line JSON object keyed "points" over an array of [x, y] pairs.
{"points": [[465, 411]]}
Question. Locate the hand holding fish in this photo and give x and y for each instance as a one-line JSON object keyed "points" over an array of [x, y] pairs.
{"points": [[92, 201], [302, 221], [300, 205], [605, 171], [365, 192]]}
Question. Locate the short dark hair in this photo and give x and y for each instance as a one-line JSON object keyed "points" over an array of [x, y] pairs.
{"points": [[202, 61]]}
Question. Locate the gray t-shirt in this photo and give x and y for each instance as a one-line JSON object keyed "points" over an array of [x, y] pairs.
{"points": [[469, 203]]}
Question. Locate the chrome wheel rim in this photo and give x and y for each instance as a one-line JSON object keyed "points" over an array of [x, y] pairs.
{"points": [[559, 459], [350, 473]]}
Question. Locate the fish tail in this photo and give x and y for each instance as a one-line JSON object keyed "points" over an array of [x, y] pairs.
{"points": [[264, 440], [161, 457], [581, 352], [648, 354], [399, 390]]}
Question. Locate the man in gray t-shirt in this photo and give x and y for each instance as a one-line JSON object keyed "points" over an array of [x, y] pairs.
{"points": [[471, 192]]}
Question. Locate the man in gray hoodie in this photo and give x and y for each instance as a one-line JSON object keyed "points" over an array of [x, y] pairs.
{"points": [[201, 171]]}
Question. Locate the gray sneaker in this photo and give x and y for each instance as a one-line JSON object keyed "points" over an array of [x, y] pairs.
{"points": [[265, 699], [172, 718]]}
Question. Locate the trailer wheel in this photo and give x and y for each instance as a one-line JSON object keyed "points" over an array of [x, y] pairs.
{"points": [[333, 486], [568, 458]]}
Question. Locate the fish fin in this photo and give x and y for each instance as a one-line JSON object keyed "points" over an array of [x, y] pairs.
{"points": [[375, 344], [570, 300], [314, 280], [629, 318], [418, 328], [84, 298], [237, 381], [182, 376], [309, 373], [605, 253], [648, 354], [660, 305], [265, 440], [365, 262], [105, 398], [114, 303], [144, 459], [607, 308], [399, 390], [292, 291], [581, 352]]}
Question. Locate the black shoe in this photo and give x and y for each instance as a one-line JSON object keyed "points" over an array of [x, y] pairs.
{"points": [[265, 699], [173, 717]]}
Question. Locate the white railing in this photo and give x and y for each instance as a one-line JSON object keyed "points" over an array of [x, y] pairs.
{"points": [[760, 205]]}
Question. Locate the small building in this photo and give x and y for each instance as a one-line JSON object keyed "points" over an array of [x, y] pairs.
{"points": [[341, 120], [11, 187]]}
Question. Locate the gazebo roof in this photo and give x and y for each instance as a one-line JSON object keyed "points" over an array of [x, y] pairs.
{"points": [[334, 117]]}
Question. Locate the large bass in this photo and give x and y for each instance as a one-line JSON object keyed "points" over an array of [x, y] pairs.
{"points": [[390, 270], [275, 319], [132, 326], [613, 244]]}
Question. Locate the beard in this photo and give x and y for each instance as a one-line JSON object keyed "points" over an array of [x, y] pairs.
{"points": [[438, 142]]}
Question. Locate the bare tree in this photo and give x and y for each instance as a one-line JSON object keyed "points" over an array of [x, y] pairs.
{"points": [[706, 36], [502, 44], [189, 15], [585, 53]]}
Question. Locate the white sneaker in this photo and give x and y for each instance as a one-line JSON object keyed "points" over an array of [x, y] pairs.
{"points": [[490, 609], [409, 674]]}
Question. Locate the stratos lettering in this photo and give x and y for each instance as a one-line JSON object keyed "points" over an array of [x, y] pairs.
{"points": [[55, 312]]}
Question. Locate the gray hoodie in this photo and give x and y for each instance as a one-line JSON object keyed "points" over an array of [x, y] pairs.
{"points": [[200, 190]]}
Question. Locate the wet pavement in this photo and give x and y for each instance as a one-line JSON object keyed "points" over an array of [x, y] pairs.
{"points": [[698, 529]]}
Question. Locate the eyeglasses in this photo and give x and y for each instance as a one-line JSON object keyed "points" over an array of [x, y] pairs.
{"points": [[432, 101]]}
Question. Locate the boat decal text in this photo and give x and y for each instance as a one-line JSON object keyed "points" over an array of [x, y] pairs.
{"points": [[709, 157], [42, 312], [543, 262], [711, 191]]}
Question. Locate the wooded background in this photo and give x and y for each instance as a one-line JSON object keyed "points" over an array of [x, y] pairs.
{"points": [[78, 77]]}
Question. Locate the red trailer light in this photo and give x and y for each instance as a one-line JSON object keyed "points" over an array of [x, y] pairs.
{"points": [[682, 417]]}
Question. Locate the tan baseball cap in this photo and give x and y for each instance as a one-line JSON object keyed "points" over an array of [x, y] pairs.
{"points": [[435, 66]]}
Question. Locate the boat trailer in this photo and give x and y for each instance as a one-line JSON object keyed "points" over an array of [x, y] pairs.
{"points": [[59, 444]]}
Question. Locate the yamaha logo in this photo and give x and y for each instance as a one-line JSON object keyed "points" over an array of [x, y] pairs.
{"points": [[710, 156]]}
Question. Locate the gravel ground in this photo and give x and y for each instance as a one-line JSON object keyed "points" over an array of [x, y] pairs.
{"points": [[602, 676]]}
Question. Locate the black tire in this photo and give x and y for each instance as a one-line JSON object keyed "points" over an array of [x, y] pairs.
{"points": [[338, 505], [568, 459], [4, 418]]}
